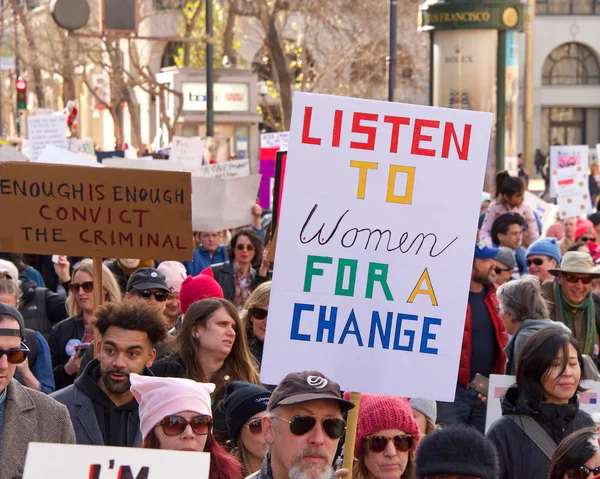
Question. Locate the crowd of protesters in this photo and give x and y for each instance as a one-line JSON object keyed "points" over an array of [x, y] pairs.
{"points": [[171, 360]]}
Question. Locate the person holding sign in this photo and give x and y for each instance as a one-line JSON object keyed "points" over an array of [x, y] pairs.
{"points": [[25, 415], [175, 414], [542, 408], [102, 408], [302, 427]]}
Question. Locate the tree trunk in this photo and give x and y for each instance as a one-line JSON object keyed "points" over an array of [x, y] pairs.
{"points": [[117, 127], [228, 37], [134, 114], [279, 60]]}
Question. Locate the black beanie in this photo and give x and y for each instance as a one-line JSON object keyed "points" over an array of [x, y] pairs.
{"points": [[457, 450], [242, 401]]}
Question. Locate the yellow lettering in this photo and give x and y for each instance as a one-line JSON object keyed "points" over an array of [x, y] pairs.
{"points": [[362, 177], [410, 183], [428, 291]]}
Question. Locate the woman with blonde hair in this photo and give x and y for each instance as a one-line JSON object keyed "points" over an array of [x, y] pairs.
{"points": [[254, 319], [211, 347], [72, 336]]}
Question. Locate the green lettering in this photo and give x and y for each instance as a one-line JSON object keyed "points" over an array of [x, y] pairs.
{"points": [[339, 283], [311, 270], [378, 274]]}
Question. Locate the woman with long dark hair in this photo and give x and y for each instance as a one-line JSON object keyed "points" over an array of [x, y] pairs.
{"points": [[577, 456], [175, 414], [542, 408]]}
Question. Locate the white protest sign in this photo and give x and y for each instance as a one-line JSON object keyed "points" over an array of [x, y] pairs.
{"points": [[572, 191], [588, 400], [8, 153], [219, 204], [140, 164], [187, 149], [228, 169], [60, 156], [546, 211], [565, 156], [82, 145], [66, 461], [371, 270], [273, 140], [46, 130]]}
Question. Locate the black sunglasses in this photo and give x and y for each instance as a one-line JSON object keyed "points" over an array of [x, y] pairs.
{"points": [[576, 279], [87, 286], [259, 313], [15, 356], [582, 472], [502, 270], [299, 425], [254, 426], [535, 261], [242, 247], [160, 296], [585, 239], [174, 425], [402, 443]]}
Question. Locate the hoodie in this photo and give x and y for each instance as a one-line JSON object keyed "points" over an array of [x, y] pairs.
{"points": [[526, 329], [519, 456], [54, 307], [118, 424]]}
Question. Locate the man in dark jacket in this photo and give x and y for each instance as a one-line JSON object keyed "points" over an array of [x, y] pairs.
{"points": [[102, 408], [484, 340], [41, 308]]}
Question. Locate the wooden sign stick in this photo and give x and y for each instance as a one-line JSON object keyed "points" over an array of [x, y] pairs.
{"points": [[98, 289], [351, 434]]}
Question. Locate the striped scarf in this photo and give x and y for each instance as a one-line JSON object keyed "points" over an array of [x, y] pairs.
{"points": [[589, 316]]}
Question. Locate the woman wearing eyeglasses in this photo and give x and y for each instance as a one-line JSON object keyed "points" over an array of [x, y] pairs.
{"points": [[577, 456], [255, 319], [542, 408], [175, 414], [386, 438], [72, 336], [245, 404], [237, 277]]}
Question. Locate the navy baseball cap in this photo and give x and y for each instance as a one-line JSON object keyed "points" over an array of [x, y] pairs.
{"points": [[485, 252], [147, 278]]}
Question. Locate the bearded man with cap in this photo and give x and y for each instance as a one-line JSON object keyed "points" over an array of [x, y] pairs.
{"points": [[25, 415], [149, 285], [302, 427]]}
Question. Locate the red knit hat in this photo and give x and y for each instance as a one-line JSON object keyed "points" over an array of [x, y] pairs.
{"points": [[378, 413], [584, 227], [195, 288]]}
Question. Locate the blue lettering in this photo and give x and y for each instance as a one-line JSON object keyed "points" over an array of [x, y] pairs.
{"points": [[409, 334], [298, 308], [326, 324], [426, 336], [376, 325], [351, 323]]}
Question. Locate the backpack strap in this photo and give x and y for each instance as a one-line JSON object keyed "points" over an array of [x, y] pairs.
{"points": [[536, 433]]}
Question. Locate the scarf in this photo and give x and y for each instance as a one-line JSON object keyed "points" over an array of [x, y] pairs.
{"points": [[589, 316]]}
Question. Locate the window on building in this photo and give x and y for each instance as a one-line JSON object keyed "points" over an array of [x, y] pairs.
{"points": [[571, 64], [567, 7]]}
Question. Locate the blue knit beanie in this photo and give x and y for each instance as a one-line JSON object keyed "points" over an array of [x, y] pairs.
{"points": [[546, 247]]}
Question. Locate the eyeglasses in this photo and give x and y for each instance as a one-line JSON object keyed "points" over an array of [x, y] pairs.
{"points": [[254, 426], [299, 425], [87, 286], [160, 296], [175, 425], [501, 270], [582, 472], [15, 356], [402, 443], [535, 261], [575, 279], [242, 247], [259, 313], [585, 239]]}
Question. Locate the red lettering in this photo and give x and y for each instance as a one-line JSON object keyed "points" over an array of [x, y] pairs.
{"points": [[126, 238], [121, 217], [141, 216], [153, 239], [95, 218], [81, 237], [168, 240], [178, 245], [418, 137], [396, 121], [450, 132], [82, 215], [98, 237], [42, 208], [100, 192], [370, 131], [337, 128], [306, 138]]}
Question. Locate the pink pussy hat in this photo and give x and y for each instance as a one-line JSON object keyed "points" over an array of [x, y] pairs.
{"points": [[161, 397]]}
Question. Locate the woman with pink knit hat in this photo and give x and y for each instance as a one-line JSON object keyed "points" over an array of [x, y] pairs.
{"points": [[386, 438], [175, 414]]}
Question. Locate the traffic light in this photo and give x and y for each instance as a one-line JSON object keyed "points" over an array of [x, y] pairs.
{"points": [[21, 94]]}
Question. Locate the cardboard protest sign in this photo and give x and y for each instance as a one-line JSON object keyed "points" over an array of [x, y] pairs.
{"points": [[278, 139], [219, 204], [266, 168], [565, 156], [227, 169], [97, 212], [67, 461], [187, 149], [372, 270], [46, 130], [588, 400], [572, 191]]}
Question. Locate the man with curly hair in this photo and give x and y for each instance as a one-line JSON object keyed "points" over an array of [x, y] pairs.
{"points": [[102, 408]]}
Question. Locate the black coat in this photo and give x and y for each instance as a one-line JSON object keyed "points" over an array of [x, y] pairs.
{"points": [[519, 457], [55, 307], [223, 273], [70, 328]]}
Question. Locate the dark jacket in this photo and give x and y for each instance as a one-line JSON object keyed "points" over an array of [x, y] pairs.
{"points": [[223, 274], [519, 457], [265, 471], [202, 259], [86, 403], [119, 275], [464, 370], [54, 309], [70, 328]]}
